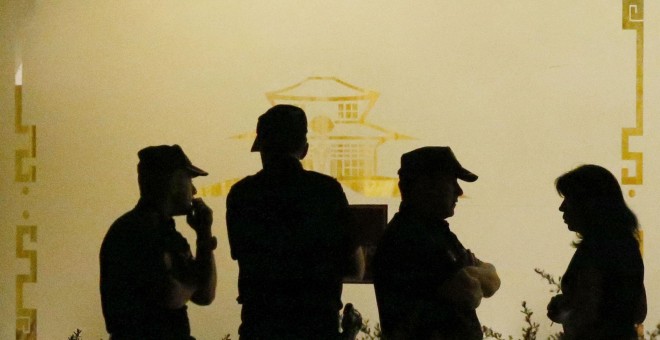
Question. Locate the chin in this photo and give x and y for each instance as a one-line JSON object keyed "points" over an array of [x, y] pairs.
{"points": [[183, 210], [447, 215]]}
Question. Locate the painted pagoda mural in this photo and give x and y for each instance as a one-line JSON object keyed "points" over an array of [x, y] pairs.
{"points": [[342, 142]]}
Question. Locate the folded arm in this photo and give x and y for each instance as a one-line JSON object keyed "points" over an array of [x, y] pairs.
{"points": [[487, 276], [462, 290]]}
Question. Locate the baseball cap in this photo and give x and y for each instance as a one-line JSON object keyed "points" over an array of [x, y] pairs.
{"points": [[165, 159], [433, 159], [280, 127]]}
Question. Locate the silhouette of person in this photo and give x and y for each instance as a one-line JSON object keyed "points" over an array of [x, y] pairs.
{"points": [[148, 273], [288, 229], [427, 284], [603, 294]]}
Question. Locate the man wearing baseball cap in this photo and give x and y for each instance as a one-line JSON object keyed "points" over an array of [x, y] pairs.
{"points": [[427, 284], [148, 273], [288, 229]]}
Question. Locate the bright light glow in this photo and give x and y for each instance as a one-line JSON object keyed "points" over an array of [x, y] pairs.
{"points": [[18, 80]]}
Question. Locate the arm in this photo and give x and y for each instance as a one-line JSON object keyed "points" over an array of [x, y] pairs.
{"points": [[201, 219], [587, 298], [462, 290], [487, 276], [193, 279], [472, 283], [556, 309], [582, 307], [233, 219], [178, 290], [357, 265]]}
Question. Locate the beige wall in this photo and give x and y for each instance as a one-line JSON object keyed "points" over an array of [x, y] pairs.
{"points": [[522, 90]]}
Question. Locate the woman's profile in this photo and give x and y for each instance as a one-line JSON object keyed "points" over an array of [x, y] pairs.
{"points": [[603, 295]]}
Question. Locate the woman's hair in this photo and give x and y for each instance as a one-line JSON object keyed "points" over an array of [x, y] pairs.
{"points": [[597, 191]]}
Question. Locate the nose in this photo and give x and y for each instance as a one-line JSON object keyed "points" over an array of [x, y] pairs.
{"points": [[459, 190], [562, 206], [194, 190]]}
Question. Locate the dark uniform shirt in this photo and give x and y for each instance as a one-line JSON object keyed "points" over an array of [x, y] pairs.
{"points": [[134, 277], [413, 259], [618, 289], [287, 229]]}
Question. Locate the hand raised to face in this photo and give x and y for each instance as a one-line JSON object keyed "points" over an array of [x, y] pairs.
{"points": [[200, 217]]}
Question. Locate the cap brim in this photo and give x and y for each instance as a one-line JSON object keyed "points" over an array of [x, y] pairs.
{"points": [[195, 171], [256, 146], [466, 175]]}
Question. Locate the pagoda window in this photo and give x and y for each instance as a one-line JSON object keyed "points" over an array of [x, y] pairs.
{"points": [[348, 160], [348, 112]]}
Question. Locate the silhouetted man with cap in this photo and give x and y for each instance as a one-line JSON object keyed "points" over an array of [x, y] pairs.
{"points": [[427, 284], [288, 229], [148, 273]]}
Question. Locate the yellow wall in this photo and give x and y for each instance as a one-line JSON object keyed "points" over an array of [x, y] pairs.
{"points": [[522, 90]]}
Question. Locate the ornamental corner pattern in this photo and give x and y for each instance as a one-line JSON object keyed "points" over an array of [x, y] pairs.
{"points": [[25, 174], [633, 19]]}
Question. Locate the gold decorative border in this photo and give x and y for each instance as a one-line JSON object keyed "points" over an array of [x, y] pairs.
{"points": [[633, 19], [26, 318]]}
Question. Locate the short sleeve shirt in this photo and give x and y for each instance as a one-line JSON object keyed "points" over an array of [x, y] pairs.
{"points": [[288, 230], [413, 259], [134, 276]]}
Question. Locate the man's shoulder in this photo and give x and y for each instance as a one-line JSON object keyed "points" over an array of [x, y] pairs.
{"points": [[246, 181], [128, 228], [123, 223], [245, 185], [304, 183], [406, 234], [403, 226], [255, 179], [321, 178], [398, 236]]}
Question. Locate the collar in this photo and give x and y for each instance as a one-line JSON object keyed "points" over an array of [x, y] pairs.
{"points": [[284, 163], [432, 222], [155, 216]]}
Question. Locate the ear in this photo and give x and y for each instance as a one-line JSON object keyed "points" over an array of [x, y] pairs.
{"points": [[304, 150]]}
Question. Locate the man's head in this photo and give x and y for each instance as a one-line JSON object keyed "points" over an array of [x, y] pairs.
{"points": [[428, 180], [165, 177], [281, 130]]}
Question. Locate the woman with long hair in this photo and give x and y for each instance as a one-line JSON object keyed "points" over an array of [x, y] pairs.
{"points": [[603, 295]]}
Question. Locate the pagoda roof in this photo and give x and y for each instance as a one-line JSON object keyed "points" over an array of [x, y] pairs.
{"points": [[359, 130], [322, 89]]}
